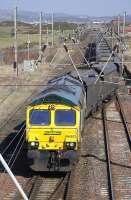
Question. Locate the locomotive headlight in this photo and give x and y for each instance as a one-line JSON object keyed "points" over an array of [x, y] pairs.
{"points": [[70, 145], [34, 144]]}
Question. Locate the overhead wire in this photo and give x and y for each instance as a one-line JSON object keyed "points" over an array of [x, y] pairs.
{"points": [[7, 147], [80, 79], [104, 67], [10, 160]]}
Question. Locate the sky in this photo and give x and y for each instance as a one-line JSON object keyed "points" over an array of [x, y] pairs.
{"points": [[83, 7]]}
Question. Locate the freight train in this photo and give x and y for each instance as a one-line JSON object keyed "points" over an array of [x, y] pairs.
{"points": [[55, 118]]}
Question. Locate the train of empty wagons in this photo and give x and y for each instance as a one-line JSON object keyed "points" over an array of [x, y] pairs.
{"points": [[55, 118]]}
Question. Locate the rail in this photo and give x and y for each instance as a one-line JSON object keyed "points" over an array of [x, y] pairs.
{"points": [[107, 151], [56, 187], [124, 121]]}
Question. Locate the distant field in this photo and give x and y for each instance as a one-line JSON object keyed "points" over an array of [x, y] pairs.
{"points": [[7, 41], [7, 35]]}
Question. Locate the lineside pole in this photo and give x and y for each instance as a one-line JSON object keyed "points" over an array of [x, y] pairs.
{"points": [[40, 35], [124, 23], [13, 178], [47, 35], [52, 29], [15, 41], [118, 28], [28, 46]]}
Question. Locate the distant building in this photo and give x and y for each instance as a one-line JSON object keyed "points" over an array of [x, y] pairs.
{"points": [[115, 21], [128, 29], [98, 22]]}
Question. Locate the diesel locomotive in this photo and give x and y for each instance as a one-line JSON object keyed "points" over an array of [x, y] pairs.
{"points": [[55, 118]]}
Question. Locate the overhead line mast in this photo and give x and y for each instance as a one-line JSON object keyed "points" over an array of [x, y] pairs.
{"points": [[40, 35], [15, 41], [52, 29]]}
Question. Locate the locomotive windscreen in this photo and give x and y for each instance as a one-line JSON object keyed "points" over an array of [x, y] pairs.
{"points": [[40, 117], [65, 117]]}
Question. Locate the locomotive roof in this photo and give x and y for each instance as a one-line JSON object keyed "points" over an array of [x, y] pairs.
{"points": [[63, 89]]}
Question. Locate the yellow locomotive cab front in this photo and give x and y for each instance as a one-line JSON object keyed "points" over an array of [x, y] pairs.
{"points": [[53, 127]]}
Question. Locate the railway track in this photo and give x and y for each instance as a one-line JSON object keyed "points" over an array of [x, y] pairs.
{"points": [[90, 181], [50, 188], [46, 187], [124, 120], [117, 149]]}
